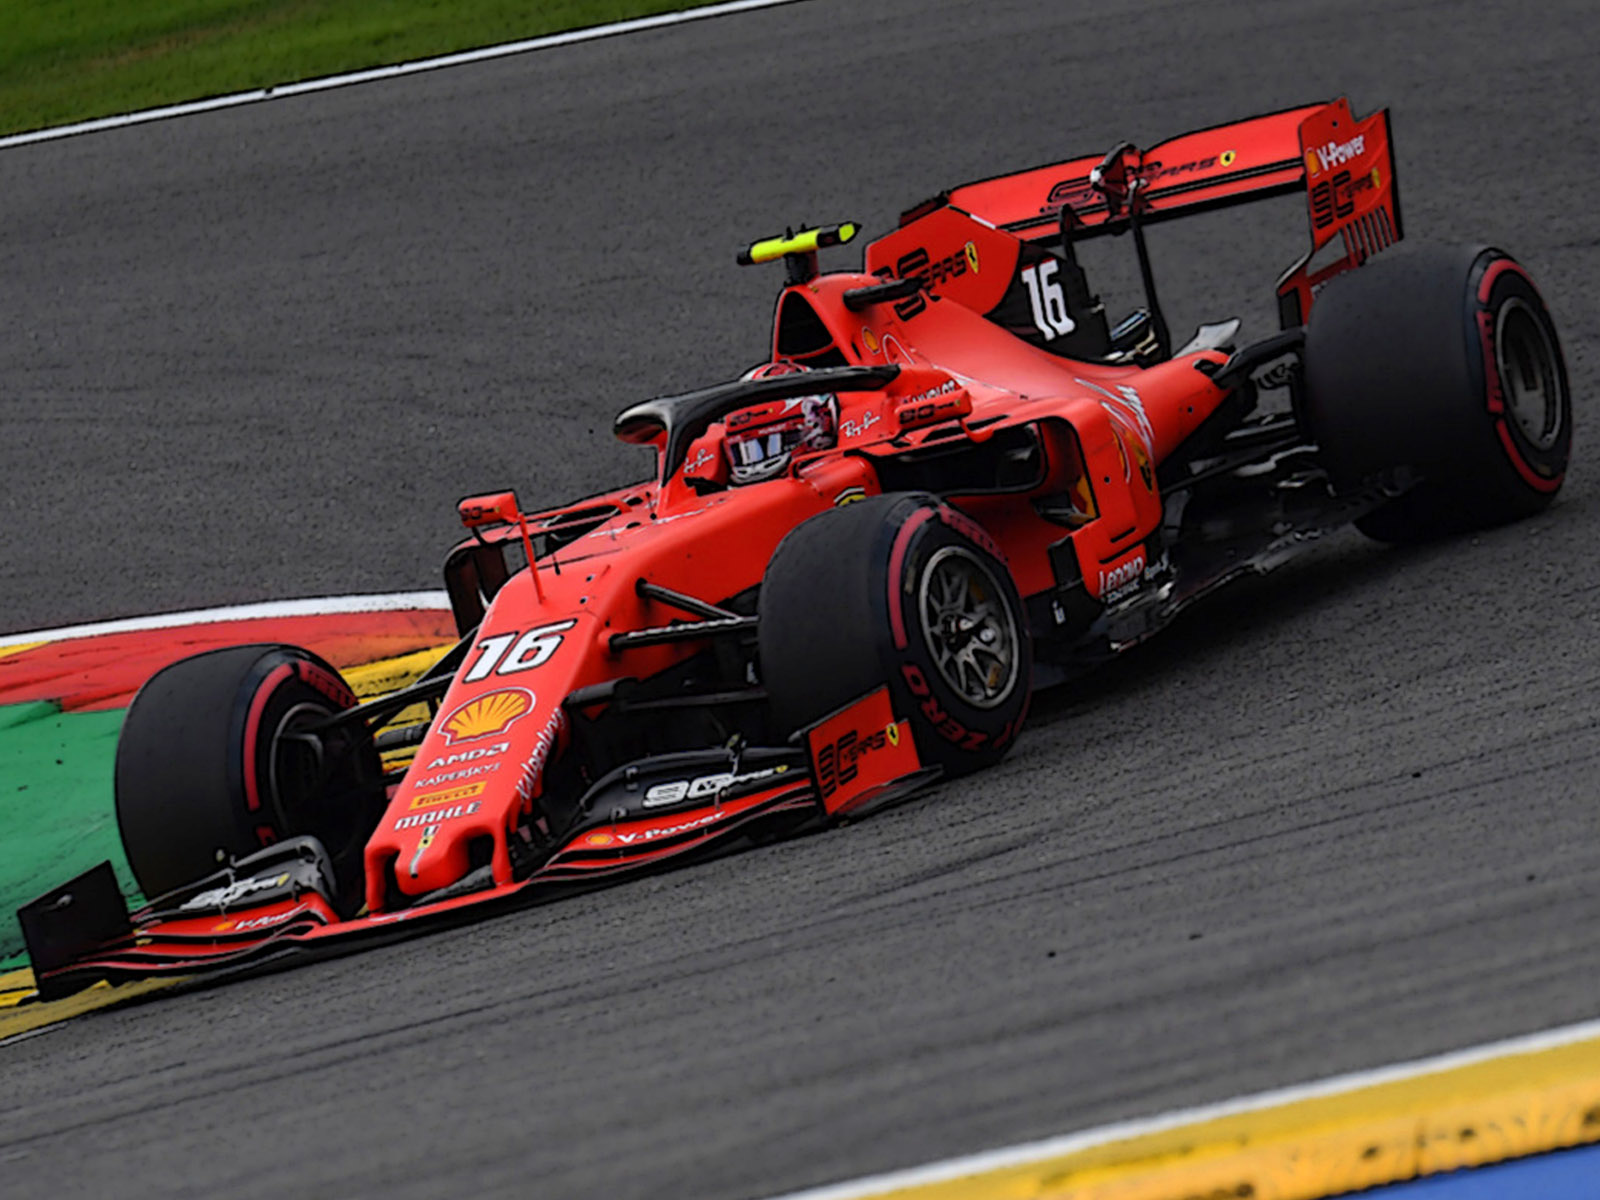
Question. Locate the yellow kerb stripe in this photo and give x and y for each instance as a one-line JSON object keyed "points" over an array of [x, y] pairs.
{"points": [[1508, 1107]]}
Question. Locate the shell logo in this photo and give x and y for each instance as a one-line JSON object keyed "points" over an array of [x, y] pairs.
{"points": [[599, 839], [1313, 167], [869, 339], [489, 714]]}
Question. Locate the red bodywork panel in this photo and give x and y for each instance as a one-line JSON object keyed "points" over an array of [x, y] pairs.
{"points": [[1103, 429], [1095, 434]]}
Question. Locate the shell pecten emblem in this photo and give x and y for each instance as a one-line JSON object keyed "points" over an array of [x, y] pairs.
{"points": [[487, 715]]}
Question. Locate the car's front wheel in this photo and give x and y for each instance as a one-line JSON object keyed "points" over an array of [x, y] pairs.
{"points": [[227, 752], [905, 591]]}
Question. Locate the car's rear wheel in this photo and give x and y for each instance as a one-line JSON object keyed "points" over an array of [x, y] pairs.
{"points": [[1442, 363], [906, 591], [224, 753]]}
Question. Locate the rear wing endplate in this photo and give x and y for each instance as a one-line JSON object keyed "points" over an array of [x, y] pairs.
{"points": [[1342, 165]]}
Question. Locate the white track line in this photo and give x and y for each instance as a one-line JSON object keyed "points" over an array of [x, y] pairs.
{"points": [[1020, 1155], [504, 50], [317, 607]]}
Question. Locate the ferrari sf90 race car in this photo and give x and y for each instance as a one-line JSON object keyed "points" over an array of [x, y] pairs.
{"points": [[954, 479]]}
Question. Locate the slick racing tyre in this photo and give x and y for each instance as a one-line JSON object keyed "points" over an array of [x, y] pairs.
{"points": [[219, 756], [1440, 362], [905, 591]]}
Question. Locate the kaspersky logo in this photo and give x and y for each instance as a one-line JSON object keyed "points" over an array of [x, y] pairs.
{"points": [[487, 716]]}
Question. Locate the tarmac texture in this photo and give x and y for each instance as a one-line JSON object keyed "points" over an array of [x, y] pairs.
{"points": [[1340, 817]]}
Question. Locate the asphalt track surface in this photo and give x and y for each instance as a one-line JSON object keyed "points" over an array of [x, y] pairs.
{"points": [[1341, 817]]}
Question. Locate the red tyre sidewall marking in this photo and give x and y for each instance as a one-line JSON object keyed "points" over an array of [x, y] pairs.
{"points": [[1494, 393], [252, 730]]}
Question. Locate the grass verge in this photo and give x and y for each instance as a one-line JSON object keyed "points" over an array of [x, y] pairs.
{"points": [[63, 61]]}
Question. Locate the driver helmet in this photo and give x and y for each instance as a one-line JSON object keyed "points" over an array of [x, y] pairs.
{"points": [[762, 439]]}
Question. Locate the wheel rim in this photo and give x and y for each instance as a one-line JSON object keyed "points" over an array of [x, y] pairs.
{"points": [[297, 779], [968, 627], [1529, 379]]}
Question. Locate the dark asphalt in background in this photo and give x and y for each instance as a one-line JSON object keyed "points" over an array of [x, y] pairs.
{"points": [[1341, 817]]}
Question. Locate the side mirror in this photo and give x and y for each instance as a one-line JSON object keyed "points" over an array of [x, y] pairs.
{"points": [[495, 508]]}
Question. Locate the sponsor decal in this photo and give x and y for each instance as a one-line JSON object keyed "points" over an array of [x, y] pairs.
{"points": [[448, 796], [852, 429], [933, 273], [933, 393], [849, 496], [331, 686], [1226, 157], [488, 715], [473, 755], [1334, 154], [1334, 199], [663, 794], [952, 730], [244, 924], [972, 257], [531, 782], [432, 820], [1066, 192], [869, 340], [839, 762], [600, 838], [1123, 579], [1156, 171], [236, 890], [686, 825], [464, 773]]}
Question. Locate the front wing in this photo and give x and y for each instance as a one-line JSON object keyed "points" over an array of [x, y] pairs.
{"points": [[278, 906]]}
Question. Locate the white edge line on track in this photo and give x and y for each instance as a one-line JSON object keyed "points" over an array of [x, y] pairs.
{"points": [[29, 1033], [317, 607], [1021, 1155], [326, 83]]}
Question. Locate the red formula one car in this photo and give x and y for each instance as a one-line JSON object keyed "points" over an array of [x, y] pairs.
{"points": [[954, 481]]}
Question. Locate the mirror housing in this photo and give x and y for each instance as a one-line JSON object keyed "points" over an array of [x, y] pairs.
{"points": [[493, 508]]}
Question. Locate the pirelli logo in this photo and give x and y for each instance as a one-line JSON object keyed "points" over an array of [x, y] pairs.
{"points": [[448, 796]]}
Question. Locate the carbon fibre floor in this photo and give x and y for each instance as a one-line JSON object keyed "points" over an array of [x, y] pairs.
{"points": [[1340, 817]]}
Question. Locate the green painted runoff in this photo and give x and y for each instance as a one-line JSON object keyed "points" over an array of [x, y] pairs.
{"points": [[63, 61], [57, 818]]}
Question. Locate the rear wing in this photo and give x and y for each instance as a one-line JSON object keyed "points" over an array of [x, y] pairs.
{"points": [[1344, 166], [1247, 160]]}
